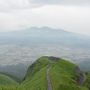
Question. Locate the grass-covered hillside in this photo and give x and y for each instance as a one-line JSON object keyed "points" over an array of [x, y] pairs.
{"points": [[49, 73], [6, 80]]}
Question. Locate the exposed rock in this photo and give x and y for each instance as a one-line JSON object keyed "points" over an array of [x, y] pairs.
{"points": [[53, 58], [81, 78]]}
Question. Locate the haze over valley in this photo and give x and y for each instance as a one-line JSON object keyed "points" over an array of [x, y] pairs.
{"points": [[25, 46]]}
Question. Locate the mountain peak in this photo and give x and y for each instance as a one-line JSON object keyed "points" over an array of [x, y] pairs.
{"points": [[45, 27]]}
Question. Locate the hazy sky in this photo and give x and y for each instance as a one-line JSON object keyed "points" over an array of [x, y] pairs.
{"points": [[71, 15]]}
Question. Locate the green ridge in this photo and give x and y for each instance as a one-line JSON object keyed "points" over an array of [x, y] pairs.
{"points": [[62, 75]]}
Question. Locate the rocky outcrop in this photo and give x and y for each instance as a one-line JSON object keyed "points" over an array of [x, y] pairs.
{"points": [[80, 76], [53, 58]]}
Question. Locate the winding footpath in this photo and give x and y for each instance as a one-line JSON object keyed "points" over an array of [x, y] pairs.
{"points": [[48, 78]]}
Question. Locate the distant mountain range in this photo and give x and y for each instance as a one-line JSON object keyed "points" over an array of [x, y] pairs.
{"points": [[45, 35]]}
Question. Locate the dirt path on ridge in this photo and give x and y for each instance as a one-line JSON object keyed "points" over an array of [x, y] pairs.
{"points": [[48, 78]]}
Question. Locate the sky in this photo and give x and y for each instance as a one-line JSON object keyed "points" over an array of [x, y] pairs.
{"points": [[70, 15]]}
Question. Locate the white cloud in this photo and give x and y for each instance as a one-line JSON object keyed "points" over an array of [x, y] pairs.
{"points": [[19, 14], [71, 18], [63, 2], [14, 4], [8, 5], [24, 4]]}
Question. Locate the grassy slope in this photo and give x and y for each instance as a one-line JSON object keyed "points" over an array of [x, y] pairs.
{"points": [[5, 80], [61, 73], [7, 83], [87, 82], [63, 76], [36, 75]]}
